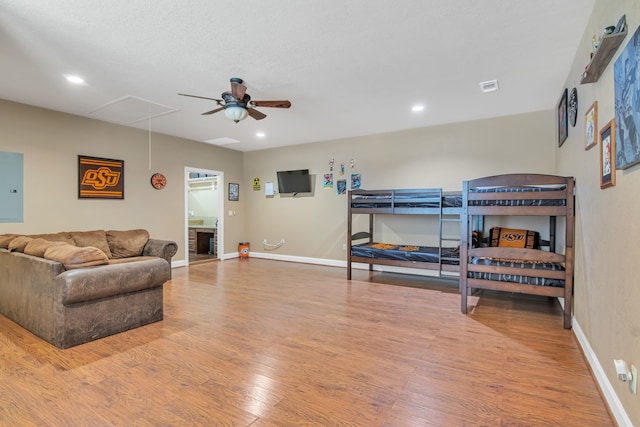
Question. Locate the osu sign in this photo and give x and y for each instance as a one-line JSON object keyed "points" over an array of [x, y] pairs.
{"points": [[100, 178]]}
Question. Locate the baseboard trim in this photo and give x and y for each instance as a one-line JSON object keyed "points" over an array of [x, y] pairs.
{"points": [[300, 259], [610, 396], [355, 266]]}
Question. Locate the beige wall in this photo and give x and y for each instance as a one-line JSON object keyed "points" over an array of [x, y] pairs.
{"points": [[441, 156], [607, 291], [606, 287], [51, 142]]}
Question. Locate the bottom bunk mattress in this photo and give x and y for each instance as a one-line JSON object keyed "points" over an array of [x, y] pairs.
{"points": [[514, 278], [406, 253]]}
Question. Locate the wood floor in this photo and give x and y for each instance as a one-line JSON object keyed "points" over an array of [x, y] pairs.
{"points": [[266, 343]]}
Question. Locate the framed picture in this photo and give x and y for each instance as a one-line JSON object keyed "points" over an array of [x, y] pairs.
{"points": [[590, 126], [234, 192], [607, 155], [626, 80], [563, 122], [100, 178]]}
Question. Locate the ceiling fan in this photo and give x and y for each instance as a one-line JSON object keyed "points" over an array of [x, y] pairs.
{"points": [[237, 103]]}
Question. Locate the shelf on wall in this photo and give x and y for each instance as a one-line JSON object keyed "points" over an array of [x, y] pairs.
{"points": [[608, 46]]}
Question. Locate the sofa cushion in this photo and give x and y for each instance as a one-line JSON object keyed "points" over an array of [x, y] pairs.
{"points": [[74, 257], [5, 239], [95, 238], [18, 243], [37, 247], [124, 244], [55, 237]]}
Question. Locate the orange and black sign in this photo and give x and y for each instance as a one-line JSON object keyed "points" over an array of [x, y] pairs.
{"points": [[100, 178]]}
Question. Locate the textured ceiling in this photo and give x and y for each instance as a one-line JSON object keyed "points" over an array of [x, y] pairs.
{"points": [[349, 67]]}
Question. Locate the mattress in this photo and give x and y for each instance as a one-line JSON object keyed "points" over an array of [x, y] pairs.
{"points": [[513, 278], [405, 253], [518, 202], [415, 200]]}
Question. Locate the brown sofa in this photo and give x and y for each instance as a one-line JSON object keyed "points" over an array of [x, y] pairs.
{"points": [[74, 287]]}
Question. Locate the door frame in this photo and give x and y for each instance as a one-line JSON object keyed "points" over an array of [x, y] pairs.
{"points": [[220, 230]]}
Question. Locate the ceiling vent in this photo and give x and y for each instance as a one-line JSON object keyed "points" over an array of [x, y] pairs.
{"points": [[222, 141], [489, 86]]}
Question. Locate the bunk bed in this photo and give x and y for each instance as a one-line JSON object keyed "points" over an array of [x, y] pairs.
{"points": [[529, 268], [362, 247]]}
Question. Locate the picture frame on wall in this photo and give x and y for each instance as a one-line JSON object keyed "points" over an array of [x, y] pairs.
{"points": [[100, 178], [563, 122], [608, 155], [626, 79], [591, 126], [234, 192]]}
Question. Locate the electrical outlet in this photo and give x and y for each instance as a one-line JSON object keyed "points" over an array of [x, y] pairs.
{"points": [[633, 385]]}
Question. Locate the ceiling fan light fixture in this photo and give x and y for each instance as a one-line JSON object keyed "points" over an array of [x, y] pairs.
{"points": [[235, 113]]}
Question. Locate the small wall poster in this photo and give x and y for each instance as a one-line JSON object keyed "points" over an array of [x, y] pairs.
{"points": [[341, 186], [328, 180], [355, 181]]}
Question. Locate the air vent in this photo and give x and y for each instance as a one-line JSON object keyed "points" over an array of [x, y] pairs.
{"points": [[222, 141], [489, 86]]}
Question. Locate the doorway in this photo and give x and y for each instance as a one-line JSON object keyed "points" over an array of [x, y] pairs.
{"points": [[204, 221]]}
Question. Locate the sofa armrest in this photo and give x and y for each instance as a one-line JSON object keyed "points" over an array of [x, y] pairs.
{"points": [[160, 248]]}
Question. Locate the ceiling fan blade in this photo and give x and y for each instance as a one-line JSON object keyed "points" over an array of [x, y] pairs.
{"points": [[219, 101], [238, 89], [274, 104], [213, 111], [256, 114]]}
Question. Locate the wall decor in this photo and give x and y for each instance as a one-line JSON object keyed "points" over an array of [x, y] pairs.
{"points": [[341, 187], [590, 126], [356, 181], [626, 78], [573, 106], [158, 181], [328, 181], [563, 125], [607, 155], [234, 192], [100, 178]]}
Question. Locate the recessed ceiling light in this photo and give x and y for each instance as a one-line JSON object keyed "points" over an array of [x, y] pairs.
{"points": [[417, 108], [74, 79], [260, 134]]}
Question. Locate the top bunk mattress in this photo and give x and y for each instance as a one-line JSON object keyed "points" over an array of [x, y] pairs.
{"points": [[511, 199], [406, 199]]}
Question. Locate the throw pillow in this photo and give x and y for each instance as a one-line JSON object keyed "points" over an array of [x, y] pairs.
{"points": [[124, 244], [95, 238], [74, 257], [37, 247], [514, 238], [18, 244], [5, 239]]}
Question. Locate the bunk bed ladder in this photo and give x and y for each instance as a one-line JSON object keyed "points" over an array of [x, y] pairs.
{"points": [[445, 218]]}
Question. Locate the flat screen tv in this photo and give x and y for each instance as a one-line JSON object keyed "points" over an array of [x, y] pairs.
{"points": [[295, 181]]}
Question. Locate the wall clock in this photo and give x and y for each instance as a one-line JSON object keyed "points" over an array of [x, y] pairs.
{"points": [[158, 181], [573, 106]]}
